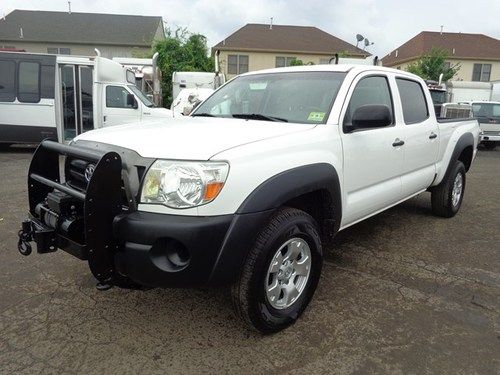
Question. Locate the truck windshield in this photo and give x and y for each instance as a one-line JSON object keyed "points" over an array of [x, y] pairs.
{"points": [[144, 99], [486, 110], [296, 97]]}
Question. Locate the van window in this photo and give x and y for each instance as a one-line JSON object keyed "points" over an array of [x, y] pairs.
{"points": [[369, 90], [116, 97], [412, 101], [7, 81], [29, 82]]}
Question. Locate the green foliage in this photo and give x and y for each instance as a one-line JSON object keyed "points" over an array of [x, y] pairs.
{"points": [[296, 62], [181, 51], [432, 64]]}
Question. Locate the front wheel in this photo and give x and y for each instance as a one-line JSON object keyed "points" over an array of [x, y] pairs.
{"points": [[280, 273], [447, 197]]}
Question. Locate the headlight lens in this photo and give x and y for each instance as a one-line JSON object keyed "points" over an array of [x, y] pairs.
{"points": [[180, 184]]}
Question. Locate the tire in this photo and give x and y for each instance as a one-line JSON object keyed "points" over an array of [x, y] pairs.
{"points": [[442, 196], [293, 229], [489, 145]]}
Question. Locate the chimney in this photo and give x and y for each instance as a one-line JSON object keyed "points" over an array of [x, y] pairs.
{"points": [[271, 24], [442, 26], [21, 36], [396, 54]]}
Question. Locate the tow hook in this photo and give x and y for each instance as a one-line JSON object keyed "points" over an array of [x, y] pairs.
{"points": [[25, 237]]}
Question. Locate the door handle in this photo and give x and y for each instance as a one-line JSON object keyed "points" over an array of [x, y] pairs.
{"points": [[398, 142], [433, 135], [104, 119]]}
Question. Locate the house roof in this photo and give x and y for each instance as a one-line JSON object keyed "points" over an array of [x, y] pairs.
{"points": [[80, 28], [458, 45], [286, 39]]}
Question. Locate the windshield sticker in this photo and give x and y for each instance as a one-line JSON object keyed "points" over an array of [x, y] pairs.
{"points": [[316, 116]]}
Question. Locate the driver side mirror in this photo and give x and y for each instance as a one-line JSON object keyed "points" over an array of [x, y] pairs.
{"points": [[370, 116], [131, 102]]}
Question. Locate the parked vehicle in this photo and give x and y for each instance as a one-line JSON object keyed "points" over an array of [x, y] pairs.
{"points": [[193, 80], [488, 115], [248, 190], [147, 76], [188, 99], [465, 91], [58, 97]]}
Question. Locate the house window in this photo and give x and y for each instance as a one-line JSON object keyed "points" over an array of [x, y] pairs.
{"points": [[447, 65], [237, 64], [59, 50], [324, 60], [282, 61], [481, 72]]}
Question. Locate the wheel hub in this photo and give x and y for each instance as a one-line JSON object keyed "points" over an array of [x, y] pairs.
{"points": [[288, 273]]}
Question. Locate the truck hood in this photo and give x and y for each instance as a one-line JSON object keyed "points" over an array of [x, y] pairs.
{"points": [[189, 138]]}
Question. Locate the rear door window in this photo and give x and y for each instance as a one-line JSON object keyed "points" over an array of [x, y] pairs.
{"points": [[413, 101], [7, 81]]}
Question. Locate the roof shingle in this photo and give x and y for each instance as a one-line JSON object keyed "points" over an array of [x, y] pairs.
{"points": [[80, 28], [286, 38], [458, 45]]}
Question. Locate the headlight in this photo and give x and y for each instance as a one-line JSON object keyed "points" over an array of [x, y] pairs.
{"points": [[183, 184]]}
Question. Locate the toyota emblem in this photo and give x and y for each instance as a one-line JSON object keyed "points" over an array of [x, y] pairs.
{"points": [[89, 171]]}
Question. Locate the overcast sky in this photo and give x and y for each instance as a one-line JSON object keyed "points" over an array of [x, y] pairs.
{"points": [[388, 23]]}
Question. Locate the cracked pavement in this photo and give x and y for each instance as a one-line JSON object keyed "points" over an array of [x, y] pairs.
{"points": [[403, 292]]}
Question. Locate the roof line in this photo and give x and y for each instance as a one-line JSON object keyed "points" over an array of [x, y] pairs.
{"points": [[58, 11], [288, 51]]}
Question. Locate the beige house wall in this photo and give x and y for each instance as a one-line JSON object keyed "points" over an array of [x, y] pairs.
{"points": [[265, 60], [466, 68]]}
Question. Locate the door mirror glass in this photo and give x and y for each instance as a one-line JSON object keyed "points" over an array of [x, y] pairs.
{"points": [[131, 102], [371, 116]]}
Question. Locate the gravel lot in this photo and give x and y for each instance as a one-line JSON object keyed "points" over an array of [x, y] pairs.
{"points": [[403, 292]]}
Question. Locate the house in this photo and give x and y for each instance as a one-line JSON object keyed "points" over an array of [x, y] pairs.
{"points": [[70, 33], [478, 54], [262, 46]]}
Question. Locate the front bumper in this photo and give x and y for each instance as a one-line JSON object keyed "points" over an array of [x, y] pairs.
{"points": [[91, 222]]}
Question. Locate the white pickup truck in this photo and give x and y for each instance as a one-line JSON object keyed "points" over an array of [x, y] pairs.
{"points": [[248, 190]]}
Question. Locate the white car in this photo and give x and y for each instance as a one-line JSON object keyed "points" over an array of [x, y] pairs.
{"points": [[488, 115], [249, 189]]}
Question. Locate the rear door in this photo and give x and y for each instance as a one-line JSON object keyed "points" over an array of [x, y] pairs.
{"points": [[373, 158], [420, 134]]}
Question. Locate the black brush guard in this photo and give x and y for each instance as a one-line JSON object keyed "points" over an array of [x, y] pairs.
{"points": [[92, 209]]}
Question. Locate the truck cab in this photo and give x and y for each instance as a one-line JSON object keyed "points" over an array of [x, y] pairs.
{"points": [[488, 116]]}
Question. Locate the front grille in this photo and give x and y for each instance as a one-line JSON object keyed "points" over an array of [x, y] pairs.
{"points": [[133, 169]]}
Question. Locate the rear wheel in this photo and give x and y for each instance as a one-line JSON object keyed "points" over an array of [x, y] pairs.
{"points": [[448, 195], [281, 272]]}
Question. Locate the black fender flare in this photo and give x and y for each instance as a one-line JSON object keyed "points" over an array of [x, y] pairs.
{"points": [[262, 202], [293, 183], [465, 140]]}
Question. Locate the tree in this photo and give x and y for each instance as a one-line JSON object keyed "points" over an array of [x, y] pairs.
{"points": [[181, 51], [298, 62], [432, 64]]}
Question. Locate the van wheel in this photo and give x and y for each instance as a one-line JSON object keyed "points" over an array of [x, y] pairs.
{"points": [[281, 272], [447, 197]]}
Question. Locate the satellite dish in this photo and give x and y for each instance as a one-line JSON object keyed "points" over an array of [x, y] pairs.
{"points": [[359, 37], [367, 42]]}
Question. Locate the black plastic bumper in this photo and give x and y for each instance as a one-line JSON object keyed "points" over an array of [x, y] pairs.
{"points": [[182, 251]]}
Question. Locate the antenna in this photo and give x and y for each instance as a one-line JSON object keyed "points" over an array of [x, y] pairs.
{"points": [[271, 24], [21, 35], [69, 7], [442, 26], [359, 38]]}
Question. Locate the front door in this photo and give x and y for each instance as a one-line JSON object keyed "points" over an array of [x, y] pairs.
{"points": [[373, 158], [116, 109], [76, 99]]}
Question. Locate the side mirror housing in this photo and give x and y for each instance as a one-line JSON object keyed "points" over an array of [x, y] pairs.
{"points": [[371, 116], [131, 102]]}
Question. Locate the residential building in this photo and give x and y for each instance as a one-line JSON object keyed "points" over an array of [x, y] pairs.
{"points": [[70, 33], [477, 54], [261, 46]]}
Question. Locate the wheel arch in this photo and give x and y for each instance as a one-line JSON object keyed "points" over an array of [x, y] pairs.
{"points": [[463, 151]]}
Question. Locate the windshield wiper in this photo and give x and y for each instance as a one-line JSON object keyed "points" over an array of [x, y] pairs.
{"points": [[202, 115], [258, 116]]}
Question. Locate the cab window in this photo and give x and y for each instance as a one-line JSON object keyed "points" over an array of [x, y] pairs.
{"points": [[372, 90], [116, 97]]}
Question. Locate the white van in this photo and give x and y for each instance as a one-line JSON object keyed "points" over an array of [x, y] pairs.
{"points": [[58, 97], [193, 80]]}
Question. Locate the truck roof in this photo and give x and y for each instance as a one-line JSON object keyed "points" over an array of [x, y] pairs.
{"points": [[328, 68]]}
